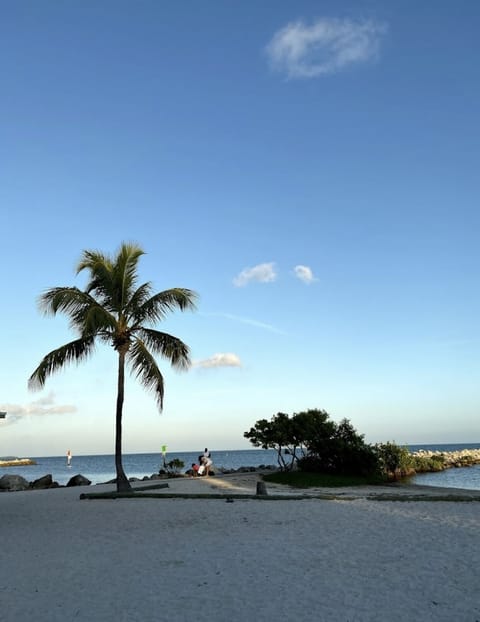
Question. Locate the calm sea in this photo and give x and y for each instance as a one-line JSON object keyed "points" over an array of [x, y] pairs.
{"points": [[101, 468]]}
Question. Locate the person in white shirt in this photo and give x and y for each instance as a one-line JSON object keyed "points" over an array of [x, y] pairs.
{"points": [[207, 461]]}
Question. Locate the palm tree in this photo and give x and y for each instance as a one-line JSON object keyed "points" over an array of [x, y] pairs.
{"points": [[113, 310]]}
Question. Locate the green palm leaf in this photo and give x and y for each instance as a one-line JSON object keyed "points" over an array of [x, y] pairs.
{"points": [[75, 351], [146, 370], [156, 308], [168, 346]]}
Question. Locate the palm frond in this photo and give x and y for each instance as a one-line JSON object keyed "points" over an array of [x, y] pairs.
{"points": [[75, 351], [125, 273], [167, 346], [156, 308], [112, 279], [62, 299], [86, 315], [96, 320], [126, 260], [137, 300], [101, 269], [93, 261], [146, 370]]}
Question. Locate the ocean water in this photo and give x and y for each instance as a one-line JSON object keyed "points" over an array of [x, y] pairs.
{"points": [[101, 468]]}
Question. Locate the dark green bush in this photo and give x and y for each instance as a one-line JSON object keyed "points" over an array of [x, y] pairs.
{"points": [[393, 459], [427, 464], [341, 458]]}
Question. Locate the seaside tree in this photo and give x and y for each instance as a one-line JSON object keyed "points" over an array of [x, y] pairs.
{"points": [[314, 443], [112, 309], [281, 433]]}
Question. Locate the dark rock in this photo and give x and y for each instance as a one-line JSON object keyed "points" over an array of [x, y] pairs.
{"points": [[13, 482], [78, 480], [43, 482]]}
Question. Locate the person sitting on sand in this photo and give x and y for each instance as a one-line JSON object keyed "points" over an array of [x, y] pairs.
{"points": [[195, 468]]}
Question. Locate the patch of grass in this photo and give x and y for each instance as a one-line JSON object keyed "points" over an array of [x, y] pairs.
{"points": [[299, 479]]}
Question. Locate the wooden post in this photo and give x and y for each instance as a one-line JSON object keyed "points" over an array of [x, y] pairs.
{"points": [[261, 489]]}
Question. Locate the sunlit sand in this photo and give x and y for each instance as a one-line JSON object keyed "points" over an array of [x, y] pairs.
{"points": [[170, 559]]}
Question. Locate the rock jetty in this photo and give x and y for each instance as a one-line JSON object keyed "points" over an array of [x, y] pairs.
{"points": [[15, 462], [442, 460]]}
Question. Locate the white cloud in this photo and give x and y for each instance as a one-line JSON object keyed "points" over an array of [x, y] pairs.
{"points": [[263, 273], [326, 47], [43, 406], [225, 359], [305, 274]]}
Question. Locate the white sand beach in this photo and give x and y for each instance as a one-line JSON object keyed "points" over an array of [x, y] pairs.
{"points": [[208, 560]]}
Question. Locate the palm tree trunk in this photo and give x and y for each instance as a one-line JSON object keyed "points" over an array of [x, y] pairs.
{"points": [[123, 484]]}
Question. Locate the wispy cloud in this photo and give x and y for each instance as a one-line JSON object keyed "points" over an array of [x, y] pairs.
{"points": [[223, 359], [249, 321], [262, 273], [43, 406], [326, 47], [305, 274]]}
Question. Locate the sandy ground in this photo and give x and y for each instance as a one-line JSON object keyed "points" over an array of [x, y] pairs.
{"points": [[353, 559]]}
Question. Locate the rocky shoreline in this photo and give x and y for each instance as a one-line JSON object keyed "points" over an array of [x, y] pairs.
{"points": [[442, 460], [15, 483], [12, 483]]}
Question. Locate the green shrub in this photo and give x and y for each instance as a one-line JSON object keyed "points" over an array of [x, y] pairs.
{"points": [[339, 458], [343, 452], [393, 459], [427, 464]]}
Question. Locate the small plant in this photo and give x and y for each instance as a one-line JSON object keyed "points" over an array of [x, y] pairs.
{"points": [[173, 467]]}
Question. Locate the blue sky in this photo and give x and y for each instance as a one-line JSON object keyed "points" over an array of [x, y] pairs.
{"points": [[309, 168]]}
